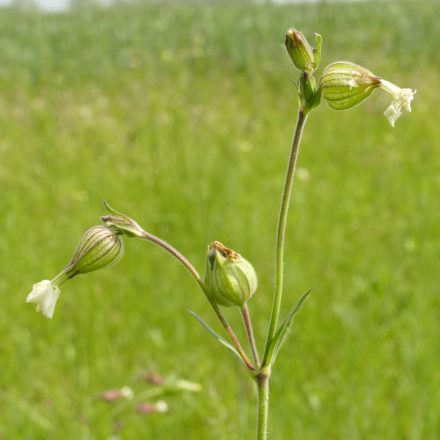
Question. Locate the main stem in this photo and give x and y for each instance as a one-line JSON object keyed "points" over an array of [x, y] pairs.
{"points": [[281, 233], [263, 405]]}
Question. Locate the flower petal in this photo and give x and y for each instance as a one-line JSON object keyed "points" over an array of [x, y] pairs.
{"points": [[45, 295], [401, 98], [393, 113]]}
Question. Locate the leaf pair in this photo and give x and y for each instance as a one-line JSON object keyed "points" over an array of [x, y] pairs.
{"points": [[274, 345]]}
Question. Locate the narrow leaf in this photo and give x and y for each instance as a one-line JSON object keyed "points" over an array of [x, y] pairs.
{"points": [[216, 336], [283, 330]]}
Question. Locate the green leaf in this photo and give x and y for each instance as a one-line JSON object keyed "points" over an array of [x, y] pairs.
{"points": [[282, 332], [217, 336]]}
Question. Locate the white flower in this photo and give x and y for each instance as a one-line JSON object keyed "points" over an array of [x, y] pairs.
{"points": [[161, 406], [127, 393], [45, 295], [401, 98]]}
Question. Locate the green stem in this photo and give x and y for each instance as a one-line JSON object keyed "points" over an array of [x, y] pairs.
{"points": [[232, 336], [263, 405], [173, 251], [279, 263], [250, 332]]}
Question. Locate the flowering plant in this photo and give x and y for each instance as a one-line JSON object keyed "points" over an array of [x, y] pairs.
{"points": [[230, 280]]}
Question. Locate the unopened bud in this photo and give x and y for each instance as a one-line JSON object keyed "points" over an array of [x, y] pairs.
{"points": [[308, 90], [99, 247], [345, 84], [304, 57], [230, 280]]}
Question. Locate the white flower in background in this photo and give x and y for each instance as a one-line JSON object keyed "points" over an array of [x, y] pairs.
{"points": [[401, 98], [127, 393], [45, 295], [117, 394], [161, 406]]}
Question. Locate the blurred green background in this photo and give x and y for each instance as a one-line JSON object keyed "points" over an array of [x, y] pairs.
{"points": [[182, 116]]}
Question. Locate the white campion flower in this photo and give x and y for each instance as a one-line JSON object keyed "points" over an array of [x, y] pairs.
{"points": [[99, 247], [345, 84], [45, 295], [401, 98]]}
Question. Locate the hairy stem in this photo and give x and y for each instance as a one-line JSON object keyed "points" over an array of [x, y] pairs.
{"points": [[282, 221], [263, 405], [250, 332], [174, 252]]}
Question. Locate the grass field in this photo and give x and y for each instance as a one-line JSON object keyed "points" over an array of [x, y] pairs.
{"points": [[182, 116]]}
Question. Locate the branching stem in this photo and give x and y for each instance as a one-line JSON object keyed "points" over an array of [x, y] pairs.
{"points": [[175, 253]]}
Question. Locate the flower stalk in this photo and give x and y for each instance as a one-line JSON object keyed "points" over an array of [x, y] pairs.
{"points": [[250, 333], [174, 252], [281, 234]]}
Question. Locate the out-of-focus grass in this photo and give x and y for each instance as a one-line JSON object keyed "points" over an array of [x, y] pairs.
{"points": [[182, 117]]}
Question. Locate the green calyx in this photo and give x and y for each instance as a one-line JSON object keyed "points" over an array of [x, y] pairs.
{"points": [[230, 280], [346, 84], [98, 248]]}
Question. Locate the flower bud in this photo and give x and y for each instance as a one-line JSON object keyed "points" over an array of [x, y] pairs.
{"points": [[309, 92], [345, 84], [304, 57], [230, 280], [99, 247]]}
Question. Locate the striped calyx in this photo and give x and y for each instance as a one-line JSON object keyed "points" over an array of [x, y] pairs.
{"points": [[99, 247], [230, 280], [346, 84]]}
